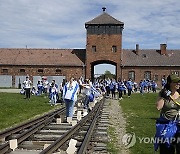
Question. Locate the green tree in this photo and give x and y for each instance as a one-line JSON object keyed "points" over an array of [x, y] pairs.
{"points": [[107, 74]]}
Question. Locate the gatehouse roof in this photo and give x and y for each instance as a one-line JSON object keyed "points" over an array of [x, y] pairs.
{"points": [[105, 19]]}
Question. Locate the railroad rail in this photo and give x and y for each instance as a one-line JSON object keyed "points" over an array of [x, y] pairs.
{"points": [[59, 142], [6, 133], [34, 125], [45, 137]]}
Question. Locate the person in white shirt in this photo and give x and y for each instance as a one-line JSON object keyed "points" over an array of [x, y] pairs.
{"points": [[70, 91], [27, 86]]}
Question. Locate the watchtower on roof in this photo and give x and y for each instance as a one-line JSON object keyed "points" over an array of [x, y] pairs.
{"points": [[104, 24]]}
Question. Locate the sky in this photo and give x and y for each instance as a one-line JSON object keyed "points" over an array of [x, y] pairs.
{"points": [[60, 23]]}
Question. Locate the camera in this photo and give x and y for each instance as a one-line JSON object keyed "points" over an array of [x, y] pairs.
{"points": [[165, 93]]}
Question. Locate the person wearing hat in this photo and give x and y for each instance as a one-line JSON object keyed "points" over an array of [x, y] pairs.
{"points": [[168, 103]]}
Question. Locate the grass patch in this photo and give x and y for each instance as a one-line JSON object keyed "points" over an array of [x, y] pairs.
{"points": [[111, 145], [141, 113], [14, 109]]}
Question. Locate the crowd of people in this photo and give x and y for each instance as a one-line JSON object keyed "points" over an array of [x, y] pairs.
{"points": [[68, 91], [123, 87], [110, 87]]}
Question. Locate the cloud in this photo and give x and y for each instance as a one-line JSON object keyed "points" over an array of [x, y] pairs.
{"points": [[60, 23]]}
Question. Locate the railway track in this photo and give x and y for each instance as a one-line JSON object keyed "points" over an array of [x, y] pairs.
{"points": [[46, 135]]}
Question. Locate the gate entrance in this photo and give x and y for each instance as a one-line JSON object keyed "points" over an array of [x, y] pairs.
{"points": [[103, 70]]}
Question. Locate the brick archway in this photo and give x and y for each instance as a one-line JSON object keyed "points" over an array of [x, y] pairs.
{"points": [[94, 63]]}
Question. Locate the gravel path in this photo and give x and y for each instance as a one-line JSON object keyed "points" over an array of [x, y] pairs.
{"points": [[118, 122]]}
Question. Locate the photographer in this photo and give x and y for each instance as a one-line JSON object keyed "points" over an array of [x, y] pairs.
{"points": [[167, 125]]}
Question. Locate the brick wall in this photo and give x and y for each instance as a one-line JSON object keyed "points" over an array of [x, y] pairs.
{"points": [[161, 72], [47, 71], [103, 43]]}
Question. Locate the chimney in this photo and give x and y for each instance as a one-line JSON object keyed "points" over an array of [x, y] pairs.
{"points": [[163, 49], [137, 49]]}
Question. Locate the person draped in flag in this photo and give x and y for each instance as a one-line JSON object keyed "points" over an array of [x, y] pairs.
{"points": [[129, 85], [120, 87], [70, 91], [154, 86], [39, 87], [57, 94], [45, 85], [87, 91], [141, 87], [113, 88]]}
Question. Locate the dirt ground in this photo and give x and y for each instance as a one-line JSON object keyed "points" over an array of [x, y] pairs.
{"points": [[118, 122]]}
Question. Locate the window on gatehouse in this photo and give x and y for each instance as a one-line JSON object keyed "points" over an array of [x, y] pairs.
{"points": [[114, 48], [93, 48]]}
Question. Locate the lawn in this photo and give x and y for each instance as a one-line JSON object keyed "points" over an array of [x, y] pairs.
{"points": [[14, 109], [141, 113]]}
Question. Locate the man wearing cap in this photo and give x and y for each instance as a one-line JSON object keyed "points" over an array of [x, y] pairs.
{"points": [[167, 126], [27, 86]]}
